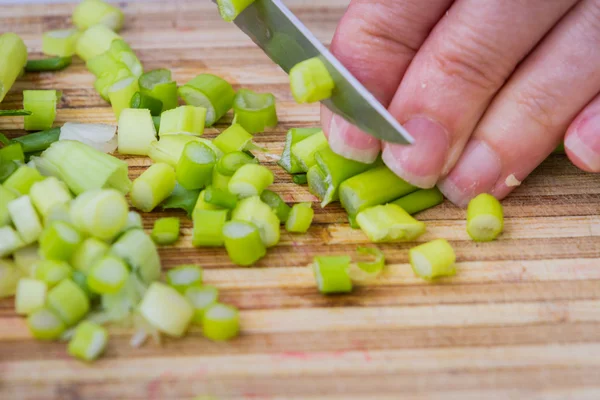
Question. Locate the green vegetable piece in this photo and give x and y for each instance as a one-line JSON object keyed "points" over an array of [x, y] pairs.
{"points": [[433, 259], [12, 152], [81, 280], [184, 276], [94, 41], [30, 296], [208, 227], [210, 92], [48, 64], [485, 219], [100, 213], [201, 298], [231, 162], [304, 151], [88, 253], [10, 275], [121, 52], [13, 113], [108, 275], [159, 85], [25, 219], [300, 218], [120, 94], [10, 241], [389, 223], [201, 204], [26, 258], [59, 241], [6, 196], [194, 169], [252, 209], [139, 251], [234, 138], [45, 324], [7, 168], [152, 187], [52, 272], [13, 52], [165, 231], [184, 119], [144, 101], [220, 198], [182, 198], [22, 180], [310, 81], [420, 200], [243, 242], [293, 136], [254, 111], [220, 181], [376, 263], [136, 132], [220, 322], [60, 43], [89, 341], [230, 9], [39, 141], [332, 274], [250, 180], [166, 309], [93, 12], [49, 193], [273, 200], [42, 104], [68, 301], [170, 148]]}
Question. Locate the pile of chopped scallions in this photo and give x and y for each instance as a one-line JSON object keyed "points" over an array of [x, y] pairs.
{"points": [[76, 258]]}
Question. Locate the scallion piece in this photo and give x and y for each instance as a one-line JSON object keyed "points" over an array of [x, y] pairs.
{"points": [[317, 182], [25, 219], [134, 221], [10, 241], [332, 274], [120, 94], [136, 132], [183, 119], [141, 100], [433, 259], [305, 150], [139, 251], [26, 258], [181, 198], [201, 204], [156, 122], [12, 152], [220, 198], [194, 169], [52, 272], [273, 200], [39, 141], [159, 85], [108, 78], [3, 139], [13, 52], [170, 148], [152, 187], [420, 200], [201, 298], [42, 104], [7, 168], [230, 9], [89, 340], [220, 181], [231, 162], [94, 41], [30, 296], [210, 92], [92, 12], [165, 231], [389, 223], [485, 219], [208, 227], [14, 113], [108, 275], [105, 63], [120, 51], [300, 218], [250, 180], [310, 81], [377, 262], [252, 209], [300, 179], [166, 309], [58, 212], [10, 276], [45, 324], [220, 322], [22, 180], [100, 213], [80, 280], [254, 111], [243, 243], [88, 253], [60, 43], [293, 136], [234, 138], [49, 193], [6, 196], [69, 302], [48, 64], [59, 241], [184, 276]]}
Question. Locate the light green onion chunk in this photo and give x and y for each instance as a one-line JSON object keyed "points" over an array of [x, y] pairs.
{"points": [[293, 136], [202, 204], [485, 218], [11, 48], [389, 223], [10, 241], [165, 231], [136, 132], [300, 218], [121, 52], [183, 119], [170, 148], [184, 276], [166, 309], [105, 63], [230, 9], [88, 342], [273, 200], [194, 169], [208, 227], [152, 187], [134, 221], [201, 298], [160, 85], [68, 301], [88, 253], [23, 179], [10, 275], [94, 41], [376, 263], [254, 111], [30, 296], [26, 258], [59, 241], [305, 150], [210, 92], [120, 94], [220, 322], [107, 78], [93, 12], [25, 219], [108, 275], [60, 43], [6, 196], [219, 180], [243, 242], [250, 180], [139, 251], [420, 200], [234, 138], [12, 152], [49, 193], [58, 212], [252, 209], [231, 162], [52, 272], [332, 274], [100, 213], [45, 324], [433, 259], [310, 81], [220, 198]]}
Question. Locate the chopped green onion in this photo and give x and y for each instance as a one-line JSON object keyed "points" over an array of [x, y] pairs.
{"points": [[121, 52], [160, 85], [165, 231], [252, 209], [293, 136], [9, 277], [201, 298], [210, 92], [48, 64], [3, 139], [44, 324], [317, 182], [134, 221], [69, 302], [273, 200], [310, 81], [52, 272], [6, 196], [170, 148], [108, 78], [433, 259], [234, 138], [10, 241], [7, 168], [30, 296], [485, 219], [26, 258], [120, 94], [182, 198], [38, 141], [231, 162], [108, 275], [220, 198], [201, 204], [139, 251], [194, 169], [49, 193], [42, 104], [89, 340], [25, 219], [372, 187], [250, 180], [100, 213], [184, 276], [388, 223], [58, 212], [84, 168], [220, 322], [230, 9], [141, 100], [300, 179], [183, 119], [102, 137], [13, 52], [81, 280], [136, 132], [105, 63], [92, 12], [220, 181], [12, 152], [208, 227], [300, 218], [375, 266], [14, 113], [59, 241], [156, 122], [60, 43], [90, 251], [94, 41], [119, 307], [152, 187], [23, 179], [243, 243], [332, 274], [166, 309], [254, 111], [305, 150], [420, 200]]}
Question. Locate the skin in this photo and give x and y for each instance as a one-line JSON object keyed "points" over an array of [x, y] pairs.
{"points": [[487, 88]]}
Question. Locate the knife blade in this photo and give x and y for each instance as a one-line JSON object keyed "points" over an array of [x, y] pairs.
{"points": [[281, 35]]}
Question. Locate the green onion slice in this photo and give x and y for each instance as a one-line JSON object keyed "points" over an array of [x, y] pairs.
{"points": [[485, 219], [89, 341], [389, 223], [210, 92], [332, 274], [48, 64], [300, 218], [165, 231], [243, 243], [433, 259], [220, 322], [255, 111], [310, 81], [184, 276]]}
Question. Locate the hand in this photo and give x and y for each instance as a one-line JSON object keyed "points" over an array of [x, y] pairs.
{"points": [[487, 88]]}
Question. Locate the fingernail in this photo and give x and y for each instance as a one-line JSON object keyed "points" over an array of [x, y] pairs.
{"points": [[348, 141], [476, 172], [584, 143], [420, 164]]}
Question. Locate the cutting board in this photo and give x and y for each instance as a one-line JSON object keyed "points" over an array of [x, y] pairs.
{"points": [[521, 319]]}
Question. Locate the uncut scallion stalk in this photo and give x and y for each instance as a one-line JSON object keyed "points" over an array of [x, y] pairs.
{"points": [[59, 241], [293, 136], [389, 223], [243, 243], [220, 198], [108, 275], [310, 81], [89, 340], [160, 85], [152, 187], [208, 227], [433, 259], [93, 12], [94, 41], [305, 150], [231, 162], [136, 132], [252, 209], [141, 100], [45, 324], [49, 193], [485, 219], [48, 64], [166, 309], [22, 180], [250, 180], [100, 213], [234, 138], [184, 276], [10, 241], [60, 43], [332, 274], [120, 94], [165, 230], [25, 219], [30, 296], [13, 52], [420, 200], [10, 276], [210, 92], [38, 141], [42, 104], [194, 169], [230, 9], [52, 272], [90, 251], [220, 322], [300, 218], [139, 251], [254, 111], [184, 119], [201, 298], [181, 198]]}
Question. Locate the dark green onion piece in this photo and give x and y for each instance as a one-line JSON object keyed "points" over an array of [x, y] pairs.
{"points": [[220, 198], [38, 141], [231, 162], [12, 152], [141, 100], [182, 198], [156, 121], [14, 113], [277, 204], [7, 168], [48, 64], [300, 179], [4, 140]]}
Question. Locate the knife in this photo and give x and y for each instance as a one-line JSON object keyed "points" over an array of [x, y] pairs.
{"points": [[276, 30]]}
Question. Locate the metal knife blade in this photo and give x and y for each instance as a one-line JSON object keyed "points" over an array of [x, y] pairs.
{"points": [[275, 29]]}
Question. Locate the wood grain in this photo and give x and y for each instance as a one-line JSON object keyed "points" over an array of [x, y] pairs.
{"points": [[520, 320]]}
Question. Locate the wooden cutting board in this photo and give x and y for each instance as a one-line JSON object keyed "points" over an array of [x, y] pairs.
{"points": [[521, 319]]}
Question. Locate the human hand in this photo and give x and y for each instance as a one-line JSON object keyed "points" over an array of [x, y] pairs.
{"points": [[487, 88]]}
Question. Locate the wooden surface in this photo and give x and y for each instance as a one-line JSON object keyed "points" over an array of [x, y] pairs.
{"points": [[521, 320]]}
